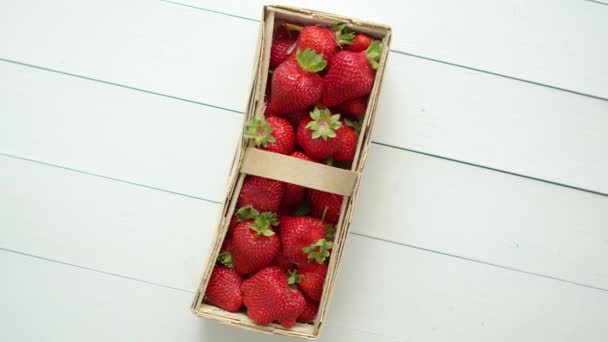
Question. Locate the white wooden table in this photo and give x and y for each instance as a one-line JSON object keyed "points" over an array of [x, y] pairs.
{"points": [[483, 214]]}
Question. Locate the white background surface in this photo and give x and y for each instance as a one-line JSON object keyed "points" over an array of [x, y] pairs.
{"points": [[483, 213]]}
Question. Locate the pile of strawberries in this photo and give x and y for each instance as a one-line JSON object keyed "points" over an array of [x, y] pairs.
{"points": [[274, 258]]}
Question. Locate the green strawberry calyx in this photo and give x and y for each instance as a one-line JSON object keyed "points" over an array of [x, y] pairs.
{"points": [[323, 124], [263, 223], [260, 131], [355, 125], [373, 53], [310, 61], [294, 278], [330, 231], [344, 35], [318, 251], [225, 258], [246, 213]]}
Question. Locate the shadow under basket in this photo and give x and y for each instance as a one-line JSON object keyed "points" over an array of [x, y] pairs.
{"points": [[251, 161]]}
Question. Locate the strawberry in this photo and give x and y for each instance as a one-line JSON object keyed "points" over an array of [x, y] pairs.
{"points": [[255, 244], [282, 45], [243, 214], [316, 135], [225, 256], [295, 193], [295, 84], [323, 40], [283, 263], [347, 144], [261, 193], [274, 134], [350, 75], [310, 279], [303, 239], [360, 43], [310, 312], [356, 106], [224, 289], [269, 298], [295, 118], [322, 200]]}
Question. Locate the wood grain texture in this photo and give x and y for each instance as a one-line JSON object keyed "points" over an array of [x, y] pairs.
{"points": [[147, 139], [540, 41], [425, 106]]}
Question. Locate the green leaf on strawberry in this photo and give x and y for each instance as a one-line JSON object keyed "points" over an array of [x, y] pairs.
{"points": [[310, 61], [294, 277], [263, 222], [318, 251], [323, 124], [373, 53], [260, 131], [246, 213], [225, 258], [344, 35], [355, 125]]}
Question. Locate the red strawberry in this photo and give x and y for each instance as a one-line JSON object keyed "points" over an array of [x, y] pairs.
{"points": [[224, 289], [350, 75], [347, 144], [310, 312], [316, 135], [295, 85], [295, 118], [303, 238], [281, 47], [255, 244], [295, 193], [268, 298], [261, 193], [243, 214], [360, 43], [274, 134], [323, 40], [356, 106], [321, 200], [283, 263], [225, 256], [310, 279]]}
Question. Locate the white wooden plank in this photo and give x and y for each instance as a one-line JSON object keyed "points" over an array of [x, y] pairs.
{"points": [[531, 237], [46, 301], [426, 106], [384, 289], [104, 224], [540, 41], [484, 215], [134, 43], [117, 132]]}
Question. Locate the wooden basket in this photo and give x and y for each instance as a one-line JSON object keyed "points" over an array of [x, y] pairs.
{"points": [[249, 160]]}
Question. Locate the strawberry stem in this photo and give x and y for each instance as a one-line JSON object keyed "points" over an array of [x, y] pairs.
{"points": [[294, 277], [344, 35], [263, 222], [310, 61], [293, 27], [373, 53], [323, 124], [260, 131], [225, 258], [246, 213], [318, 251]]}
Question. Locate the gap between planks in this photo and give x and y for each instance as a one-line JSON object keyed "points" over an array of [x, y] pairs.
{"points": [[218, 203]]}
